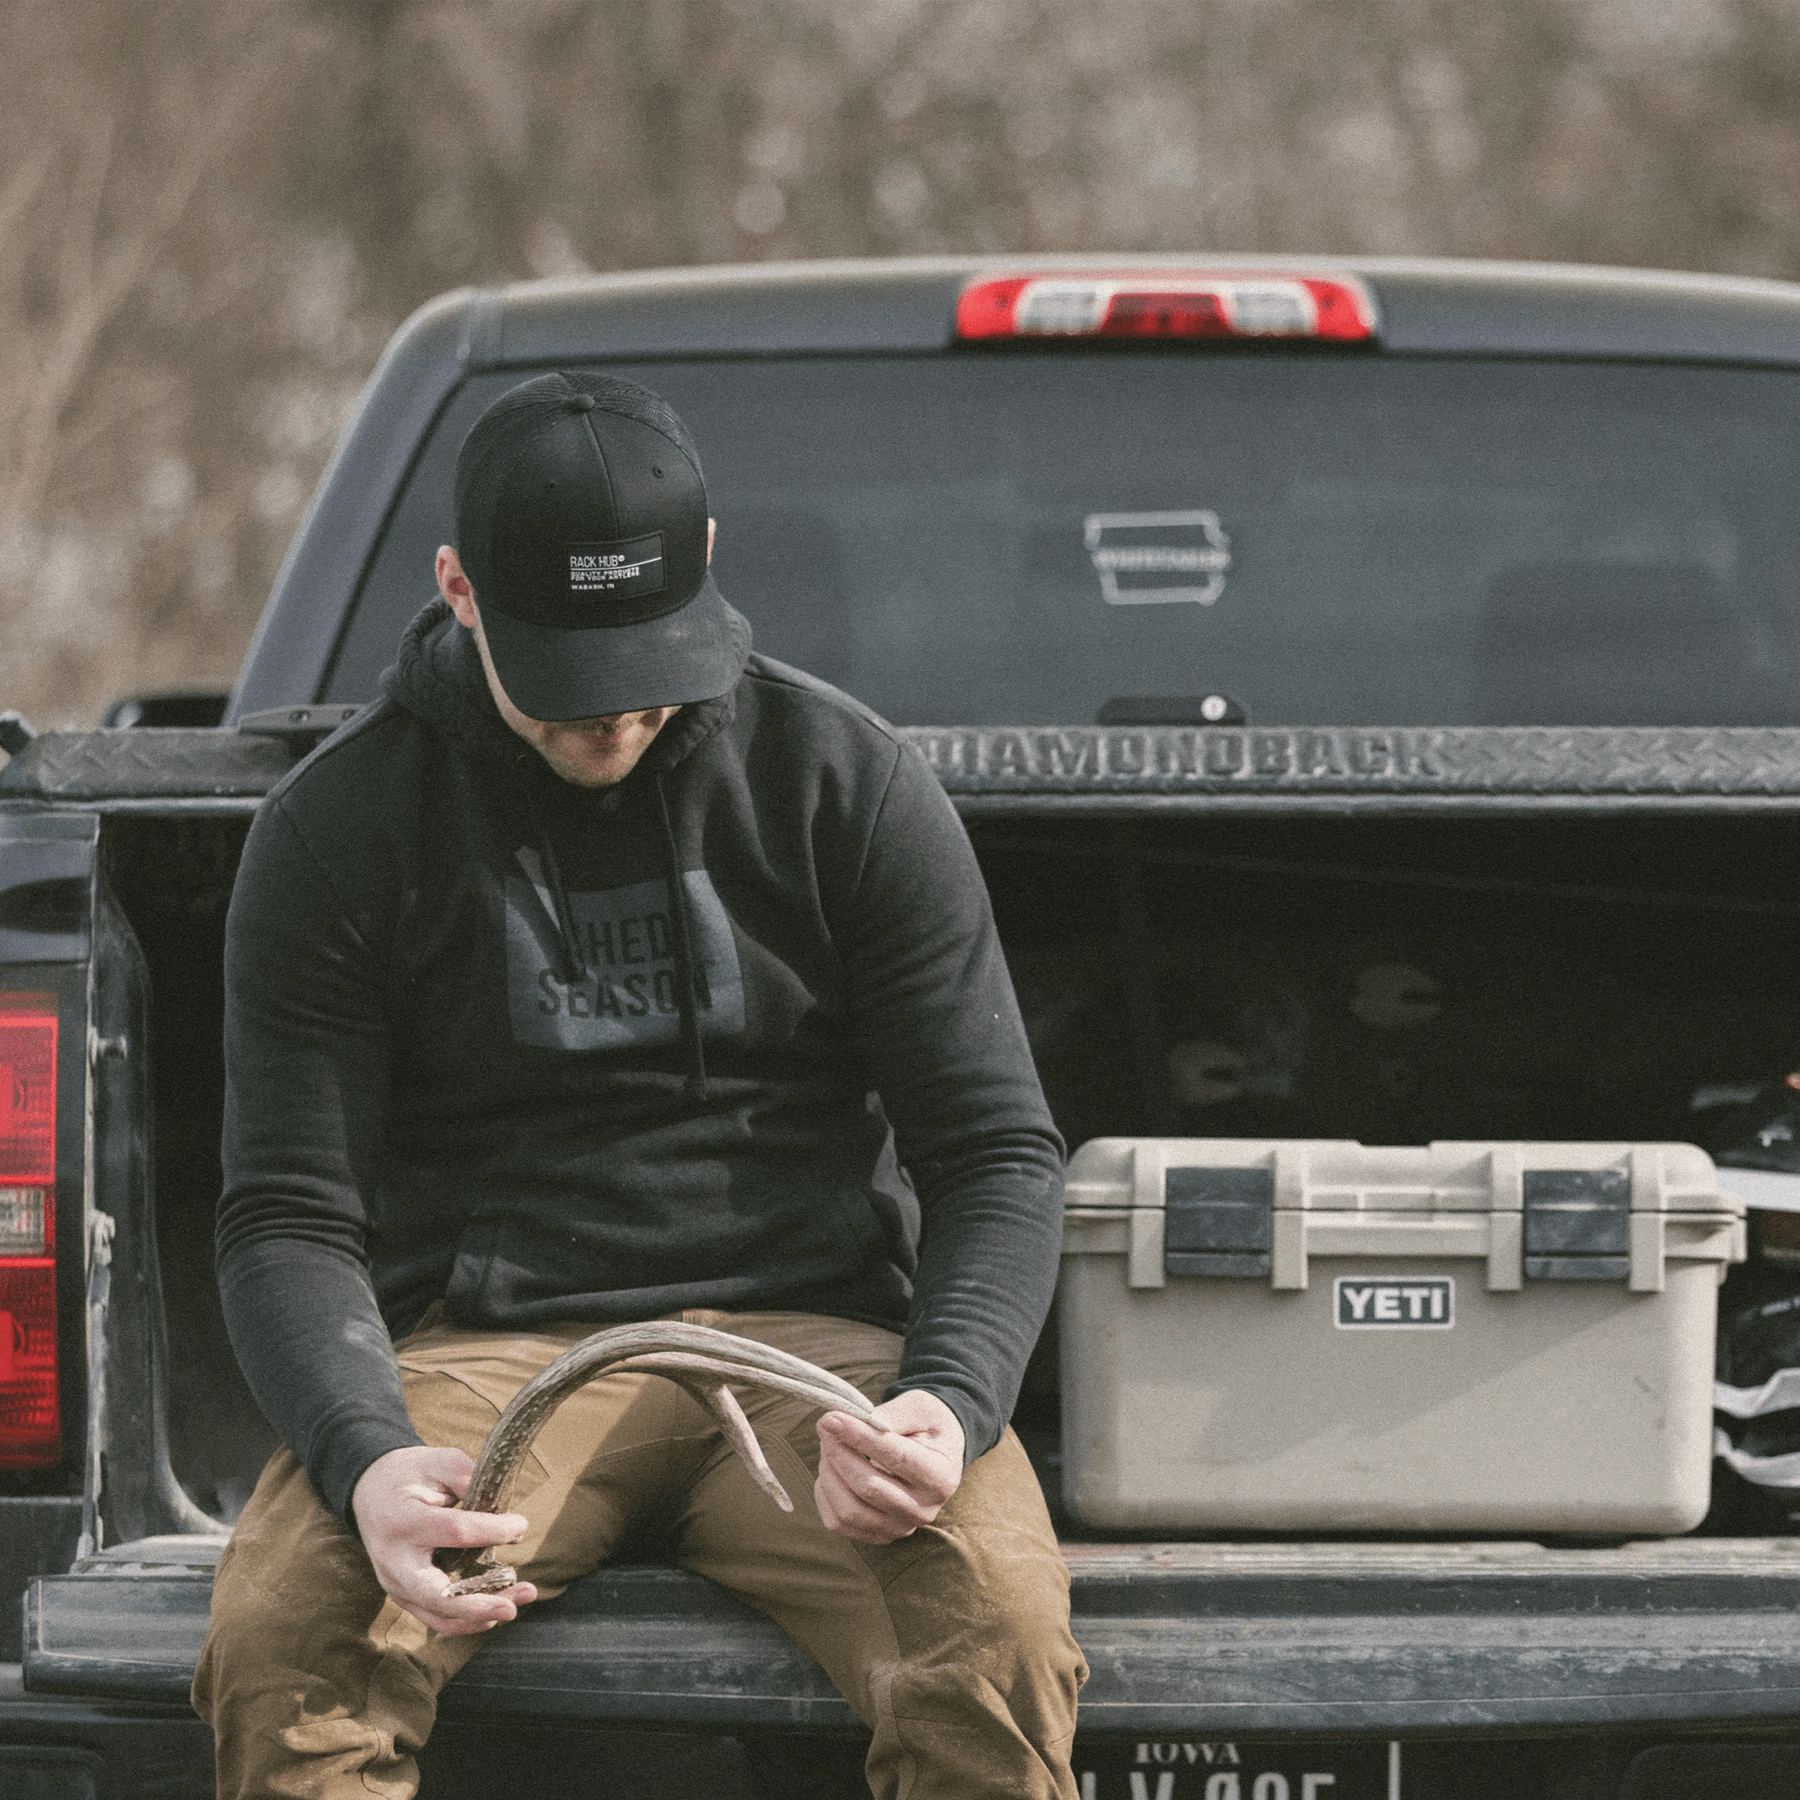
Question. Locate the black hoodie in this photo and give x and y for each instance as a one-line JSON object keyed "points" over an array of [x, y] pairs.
{"points": [[736, 1033]]}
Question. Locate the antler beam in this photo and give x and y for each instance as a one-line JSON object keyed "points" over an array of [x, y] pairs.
{"points": [[707, 1363]]}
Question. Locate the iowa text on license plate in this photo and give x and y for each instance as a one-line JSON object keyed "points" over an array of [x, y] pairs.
{"points": [[1222, 1769]]}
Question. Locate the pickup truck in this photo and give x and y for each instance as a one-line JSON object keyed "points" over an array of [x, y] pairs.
{"points": [[1373, 691]]}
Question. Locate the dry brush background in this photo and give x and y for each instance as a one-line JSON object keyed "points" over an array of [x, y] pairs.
{"points": [[213, 212]]}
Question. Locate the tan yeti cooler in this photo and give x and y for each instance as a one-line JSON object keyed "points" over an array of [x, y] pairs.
{"points": [[1294, 1336]]}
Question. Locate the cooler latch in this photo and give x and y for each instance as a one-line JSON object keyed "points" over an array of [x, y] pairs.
{"points": [[1577, 1224], [1218, 1221]]}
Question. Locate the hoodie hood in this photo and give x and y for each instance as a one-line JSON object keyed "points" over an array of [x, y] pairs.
{"points": [[439, 679]]}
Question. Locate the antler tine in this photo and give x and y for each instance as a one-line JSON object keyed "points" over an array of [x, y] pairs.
{"points": [[710, 1390]]}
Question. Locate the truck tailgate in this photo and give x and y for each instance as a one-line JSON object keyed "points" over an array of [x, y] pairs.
{"points": [[1191, 1640]]}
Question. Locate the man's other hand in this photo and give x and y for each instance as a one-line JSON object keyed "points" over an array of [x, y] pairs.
{"points": [[877, 1486], [405, 1506]]}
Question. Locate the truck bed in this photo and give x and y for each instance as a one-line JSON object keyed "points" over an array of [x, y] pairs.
{"points": [[1139, 910]]}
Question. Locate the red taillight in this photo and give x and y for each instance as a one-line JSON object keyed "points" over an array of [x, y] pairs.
{"points": [[30, 1425], [1167, 306]]}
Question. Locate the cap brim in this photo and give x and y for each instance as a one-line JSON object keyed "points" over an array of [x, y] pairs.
{"points": [[685, 656]]}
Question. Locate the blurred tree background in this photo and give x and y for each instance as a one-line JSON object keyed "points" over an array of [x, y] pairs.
{"points": [[214, 212]]}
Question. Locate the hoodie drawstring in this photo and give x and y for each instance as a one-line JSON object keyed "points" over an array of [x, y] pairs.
{"points": [[575, 969], [687, 1001]]}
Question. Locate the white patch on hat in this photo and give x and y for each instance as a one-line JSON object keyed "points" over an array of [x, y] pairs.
{"points": [[620, 570]]}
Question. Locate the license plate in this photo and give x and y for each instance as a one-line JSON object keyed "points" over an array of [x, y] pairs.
{"points": [[1236, 1769]]}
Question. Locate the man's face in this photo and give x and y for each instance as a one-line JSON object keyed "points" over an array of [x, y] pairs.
{"points": [[591, 753]]}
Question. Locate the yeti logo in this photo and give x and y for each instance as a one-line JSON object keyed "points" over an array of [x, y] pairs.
{"points": [[1395, 1302]]}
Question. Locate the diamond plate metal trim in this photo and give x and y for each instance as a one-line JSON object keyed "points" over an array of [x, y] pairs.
{"points": [[1350, 760], [1522, 760], [146, 764]]}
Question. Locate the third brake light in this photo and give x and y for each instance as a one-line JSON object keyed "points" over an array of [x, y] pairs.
{"points": [[1174, 305]]}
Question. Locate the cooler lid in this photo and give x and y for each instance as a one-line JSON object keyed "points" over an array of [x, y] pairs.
{"points": [[1259, 1208]]}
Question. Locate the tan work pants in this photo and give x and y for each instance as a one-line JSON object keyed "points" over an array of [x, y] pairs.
{"points": [[952, 1644]]}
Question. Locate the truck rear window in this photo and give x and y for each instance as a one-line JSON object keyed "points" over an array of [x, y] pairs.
{"points": [[986, 538]]}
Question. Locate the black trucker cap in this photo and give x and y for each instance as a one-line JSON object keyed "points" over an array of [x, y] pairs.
{"points": [[581, 524]]}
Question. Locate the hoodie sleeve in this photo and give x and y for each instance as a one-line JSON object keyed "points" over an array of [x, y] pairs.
{"points": [[306, 1075], [939, 1027]]}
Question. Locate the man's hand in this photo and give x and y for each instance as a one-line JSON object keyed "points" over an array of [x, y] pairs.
{"points": [[878, 1486], [405, 1506]]}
